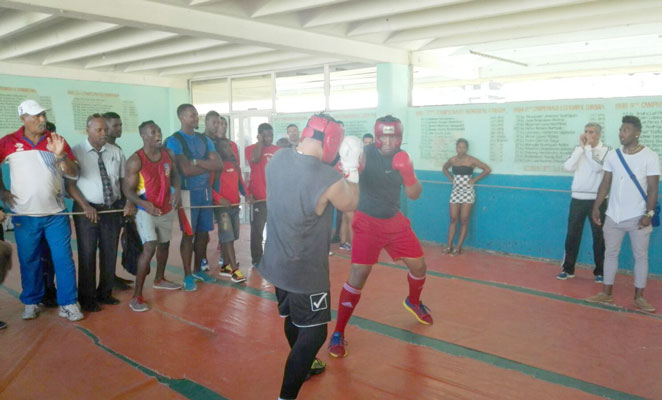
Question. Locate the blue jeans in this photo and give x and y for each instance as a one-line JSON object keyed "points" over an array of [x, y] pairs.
{"points": [[29, 232]]}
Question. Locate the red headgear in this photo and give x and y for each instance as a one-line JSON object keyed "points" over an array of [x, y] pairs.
{"points": [[328, 131], [388, 125]]}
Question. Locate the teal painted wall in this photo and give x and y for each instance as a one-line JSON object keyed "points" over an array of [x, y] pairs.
{"points": [[71, 101]]}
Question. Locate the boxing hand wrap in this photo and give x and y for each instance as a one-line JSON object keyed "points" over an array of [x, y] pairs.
{"points": [[403, 164], [350, 153]]}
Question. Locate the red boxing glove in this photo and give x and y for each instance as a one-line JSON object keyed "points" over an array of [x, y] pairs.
{"points": [[403, 164]]}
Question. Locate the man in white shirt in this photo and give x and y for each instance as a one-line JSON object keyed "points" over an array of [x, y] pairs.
{"points": [[586, 162], [38, 159], [628, 212], [98, 188]]}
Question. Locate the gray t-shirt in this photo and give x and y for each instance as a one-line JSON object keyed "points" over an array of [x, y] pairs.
{"points": [[296, 254]]}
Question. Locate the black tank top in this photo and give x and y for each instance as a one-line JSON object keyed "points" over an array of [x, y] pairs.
{"points": [[379, 185], [462, 170]]}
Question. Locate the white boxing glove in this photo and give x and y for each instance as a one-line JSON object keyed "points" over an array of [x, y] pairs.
{"points": [[350, 152]]}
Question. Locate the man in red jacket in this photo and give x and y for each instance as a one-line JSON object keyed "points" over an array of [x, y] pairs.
{"points": [[258, 155]]}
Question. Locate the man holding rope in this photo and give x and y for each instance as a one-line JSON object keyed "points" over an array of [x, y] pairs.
{"points": [[230, 184], [38, 159], [153, 184], [98, 188]]}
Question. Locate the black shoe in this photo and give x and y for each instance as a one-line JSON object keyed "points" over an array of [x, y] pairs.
{"points": [[120, 285], [317, 368], [108, 300], [3, 325], [125, 281], [90, 307]]}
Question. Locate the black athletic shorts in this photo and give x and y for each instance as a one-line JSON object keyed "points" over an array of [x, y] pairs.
{"points": [[305, 309]]}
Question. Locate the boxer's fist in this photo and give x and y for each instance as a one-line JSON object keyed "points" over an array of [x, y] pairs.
{"points": [[402, 163], [350, 153]]}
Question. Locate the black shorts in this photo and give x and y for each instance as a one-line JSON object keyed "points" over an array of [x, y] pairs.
{"points": [[305, 309]]}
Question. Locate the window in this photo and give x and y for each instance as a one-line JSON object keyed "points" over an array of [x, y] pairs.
{"points": [[300, 91], [353, 89], [210, 95], [430, 88], [252, 93]]}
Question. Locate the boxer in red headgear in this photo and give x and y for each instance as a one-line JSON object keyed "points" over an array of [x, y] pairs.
{"points": [[301, 187], [378, 224]]}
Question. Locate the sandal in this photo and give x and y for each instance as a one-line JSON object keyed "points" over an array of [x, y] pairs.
{"points": [[447, 250], [456, 252]]}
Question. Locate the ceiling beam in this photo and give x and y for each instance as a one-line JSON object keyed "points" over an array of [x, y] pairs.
{"points": [[236, 62], [580, 15], [13, 22], [356, 11], [201, 56], [58, 72], [289, 65], [118, 40], [164, 17], [165, 48], [56, 36], [623, 65], [453, 13], [571, 37], [533, 32], [272, 7]]}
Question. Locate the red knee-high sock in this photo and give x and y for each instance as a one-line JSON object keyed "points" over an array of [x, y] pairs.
{"points": [[349, 298], [415, 288]]}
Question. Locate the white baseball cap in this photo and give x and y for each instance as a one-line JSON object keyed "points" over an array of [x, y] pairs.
{"points": [[30, 107]]}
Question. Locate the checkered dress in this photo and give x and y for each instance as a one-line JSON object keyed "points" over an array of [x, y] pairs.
{"points": [[463, 192]]}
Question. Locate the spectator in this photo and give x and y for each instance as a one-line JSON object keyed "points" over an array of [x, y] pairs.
{"points": [[38, 159]]}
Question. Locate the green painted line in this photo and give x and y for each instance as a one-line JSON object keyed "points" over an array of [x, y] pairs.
{"points": [[521, 289], [451, 348], [496, 361], [11, 291], [195, 391], [185, 387]]}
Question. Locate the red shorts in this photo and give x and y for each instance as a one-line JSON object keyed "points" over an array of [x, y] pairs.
{"points": [[371, 235]]}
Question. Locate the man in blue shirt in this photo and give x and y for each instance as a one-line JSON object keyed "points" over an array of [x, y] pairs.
{"points": [[196, 159]]}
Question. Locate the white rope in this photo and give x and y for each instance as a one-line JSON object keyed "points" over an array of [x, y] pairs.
{"points": [[119, 210], [512, 187]]}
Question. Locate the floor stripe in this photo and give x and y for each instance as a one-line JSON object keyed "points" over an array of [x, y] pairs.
{"points": [[185, 387], [451, 348], [521, 289]]}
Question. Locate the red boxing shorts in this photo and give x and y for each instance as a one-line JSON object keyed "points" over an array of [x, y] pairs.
{"points": [[371, 235]]}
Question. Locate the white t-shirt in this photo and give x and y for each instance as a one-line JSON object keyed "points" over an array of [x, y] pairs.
{"points": [[625, 201]]}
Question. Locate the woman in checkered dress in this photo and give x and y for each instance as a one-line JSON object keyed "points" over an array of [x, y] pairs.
{"points": [[463, 194]]}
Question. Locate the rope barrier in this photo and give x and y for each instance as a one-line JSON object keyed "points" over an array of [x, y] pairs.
{"points": [[119, 210], [512, 187]]}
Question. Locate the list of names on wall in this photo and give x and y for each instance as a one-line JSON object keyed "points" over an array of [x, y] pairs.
{"points": [[84, 104], [10, 98]]}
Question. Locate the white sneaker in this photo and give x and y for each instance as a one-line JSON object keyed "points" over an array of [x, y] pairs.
{"points": [[71, 312], [204, 265], [31, 311]]}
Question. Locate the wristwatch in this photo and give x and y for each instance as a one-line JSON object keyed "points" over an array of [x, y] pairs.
{"points": [[650, 213]]}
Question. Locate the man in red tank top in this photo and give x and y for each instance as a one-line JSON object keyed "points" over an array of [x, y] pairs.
{"points": [[150, 178]]}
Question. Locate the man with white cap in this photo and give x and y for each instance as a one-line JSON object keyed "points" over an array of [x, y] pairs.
{"points": [[38, 160]]}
